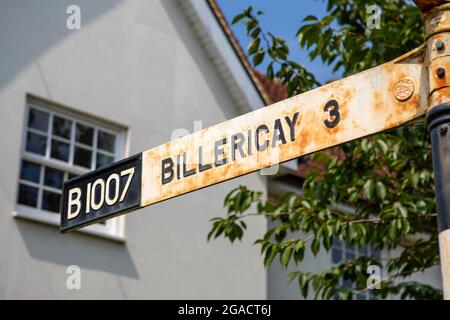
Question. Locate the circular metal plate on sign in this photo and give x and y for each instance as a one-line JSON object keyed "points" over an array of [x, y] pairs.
{"points": [[404, 89]]}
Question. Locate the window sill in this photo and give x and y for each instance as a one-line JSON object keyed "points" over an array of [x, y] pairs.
{"points": [[114, 230]]}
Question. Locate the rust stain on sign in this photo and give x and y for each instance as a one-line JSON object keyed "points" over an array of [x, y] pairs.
{"points": [[363, 104], [444, 251]]}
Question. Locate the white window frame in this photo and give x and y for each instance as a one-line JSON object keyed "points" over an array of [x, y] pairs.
{"points": [[113, 228]]}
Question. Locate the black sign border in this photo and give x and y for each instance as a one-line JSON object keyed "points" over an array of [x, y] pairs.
{"points": [[63, 204]]}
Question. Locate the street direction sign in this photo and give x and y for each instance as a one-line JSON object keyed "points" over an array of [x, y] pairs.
{"points": [[102, 194], [372, 101]]}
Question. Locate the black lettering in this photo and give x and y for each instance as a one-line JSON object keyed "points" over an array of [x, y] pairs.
{"points": [[278, 133], [249, 142], [202, 167], [186, 172], [167, 168], [260, 147], [219, 158], [178, 167], [334, 114], [291, 124], [235, 144]]}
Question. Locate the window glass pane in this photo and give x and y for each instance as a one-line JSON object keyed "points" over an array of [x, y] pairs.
{"points": [[84, 134], [36, 143], [38, 120], [61, 127], [347, 283], [106, 141], [30, 171], [361, 296], [82, 157], [50, 201], [60, 150], [376, 253], [349, 255], [336, 242], [336, 255], [53, 178], [103, 160], [363, 251], [28, 195]]}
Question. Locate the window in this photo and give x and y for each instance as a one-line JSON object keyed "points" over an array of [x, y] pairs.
{"points": [[59, 145], [342, 251]]}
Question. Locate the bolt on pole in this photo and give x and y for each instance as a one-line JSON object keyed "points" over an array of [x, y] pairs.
{"points": [[437, 62]]}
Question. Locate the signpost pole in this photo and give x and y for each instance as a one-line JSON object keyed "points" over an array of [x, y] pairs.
{"points": [[437, 32], [438, 119]]}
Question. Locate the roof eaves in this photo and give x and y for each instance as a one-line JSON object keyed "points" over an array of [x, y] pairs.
{"points": [[218, 13], [242, 87]]}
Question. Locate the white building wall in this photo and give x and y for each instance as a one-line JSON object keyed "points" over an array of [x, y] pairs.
{"points": [[140, 64]]}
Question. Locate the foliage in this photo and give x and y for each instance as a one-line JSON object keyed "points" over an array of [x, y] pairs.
{"points": [[386, 179]]}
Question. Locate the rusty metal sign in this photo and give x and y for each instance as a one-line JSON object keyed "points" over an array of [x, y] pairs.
{"points": [[372, 101], [363, 104]]}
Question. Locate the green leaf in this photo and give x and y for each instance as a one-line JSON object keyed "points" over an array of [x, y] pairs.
{"points": [[327, 20], [253, 46], [210, 233], [306, 204], [255, 33], [286, 256], [291, 202], [383, 146], [393, 230], [270, 255], [303, 280], [300, 244], [270, 72], [368, 189], [265, 246], [310, 18], [365, 144], [381, 190], [258, 58], [401, 209], [353, 231], [344, 295], [315, 246], [293, 275], [238, 18]]}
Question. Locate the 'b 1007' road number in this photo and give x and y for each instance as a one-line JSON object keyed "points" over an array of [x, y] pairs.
{"points": [[99, 192], [102, 194]]}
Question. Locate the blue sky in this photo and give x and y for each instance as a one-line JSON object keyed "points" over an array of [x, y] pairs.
{"points": [[282, 18]]}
